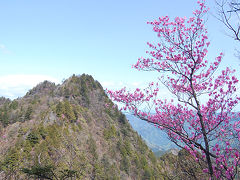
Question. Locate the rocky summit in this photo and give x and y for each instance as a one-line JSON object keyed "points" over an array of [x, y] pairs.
{"points": [[70, 131]]}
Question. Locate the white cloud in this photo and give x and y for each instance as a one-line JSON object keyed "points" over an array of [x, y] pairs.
{"points": [[4, 49], [137, 84], [2, 46], [13, 86], [108, 84]]}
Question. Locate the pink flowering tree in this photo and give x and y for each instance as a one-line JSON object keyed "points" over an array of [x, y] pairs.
{"points": [[202, 120]]}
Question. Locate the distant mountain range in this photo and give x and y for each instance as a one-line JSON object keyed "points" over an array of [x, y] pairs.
{"points": [[156, 139]]}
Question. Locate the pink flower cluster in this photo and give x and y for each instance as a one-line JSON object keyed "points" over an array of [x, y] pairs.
{"points": [[206, 130]]}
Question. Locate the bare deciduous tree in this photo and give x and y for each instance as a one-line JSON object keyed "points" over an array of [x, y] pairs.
{"points": [[228, 13]]}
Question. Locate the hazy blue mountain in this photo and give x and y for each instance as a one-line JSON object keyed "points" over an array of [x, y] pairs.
{"points": [[156, 139]]}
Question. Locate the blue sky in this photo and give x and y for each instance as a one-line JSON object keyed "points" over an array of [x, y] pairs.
{"points": [[54, 39]]}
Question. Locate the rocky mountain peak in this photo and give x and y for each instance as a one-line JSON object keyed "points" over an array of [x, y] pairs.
{"points": [[42, 88], [68, 130]]}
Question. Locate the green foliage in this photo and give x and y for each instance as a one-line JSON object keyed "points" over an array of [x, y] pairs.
{"points": [[152, 157], [98, 171], [79, 126], [11, 161], [122, 118], [142, 146], [67, 92], [125, 150], [22, 131], [27, 148], [43, 114], [67, 173], [75, 114], [143, 161], [84, 89], [4, 117], [125, 164], [92, 147], [147, 173], [42, 131], [88, 80], [182, 166], [13, 105], [38, 171], [113, 172], [113, 113], [109, 133], [28, 113], [122, 149], [136, 160], [127, 146], [34, 101], [124, 131], [68, 109], [33, 138], [98, 85], [105, 161], [54, 135], [59, 109]]}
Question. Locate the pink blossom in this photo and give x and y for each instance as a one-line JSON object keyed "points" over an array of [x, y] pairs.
{"points": [[180, 57]]}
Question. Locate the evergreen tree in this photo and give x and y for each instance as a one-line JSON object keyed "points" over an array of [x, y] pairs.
{"points": [[59, 109], [28, 113], [68, 109]]}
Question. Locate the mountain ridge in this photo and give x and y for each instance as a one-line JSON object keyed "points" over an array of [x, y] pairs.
{"points": [[70, 131]]}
